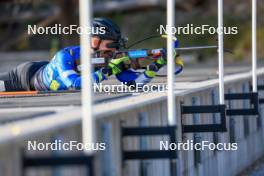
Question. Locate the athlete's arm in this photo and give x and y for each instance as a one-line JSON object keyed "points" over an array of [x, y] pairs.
{"points": [[68, 74], [151, 70], [67, 70]]}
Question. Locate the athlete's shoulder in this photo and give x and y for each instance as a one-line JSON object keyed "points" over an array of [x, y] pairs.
{"points": [[74, 48], [73, 51]]}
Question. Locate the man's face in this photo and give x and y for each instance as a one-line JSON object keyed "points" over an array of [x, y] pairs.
{"points": [[103, 44]]}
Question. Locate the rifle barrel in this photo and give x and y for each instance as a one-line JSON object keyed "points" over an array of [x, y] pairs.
{"points": [[197, 47]]}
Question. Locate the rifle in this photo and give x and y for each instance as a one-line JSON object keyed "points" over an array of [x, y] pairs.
{"points": [[141, 58], [138, 59]]}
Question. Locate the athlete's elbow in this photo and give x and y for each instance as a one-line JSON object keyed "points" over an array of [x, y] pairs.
{"points": [[73, 86]]}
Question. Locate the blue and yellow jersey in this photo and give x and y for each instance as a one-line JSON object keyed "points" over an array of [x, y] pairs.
{"points": [[63, 73]]}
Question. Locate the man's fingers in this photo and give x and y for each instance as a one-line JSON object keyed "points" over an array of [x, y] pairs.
{"points": [[179, 61]]}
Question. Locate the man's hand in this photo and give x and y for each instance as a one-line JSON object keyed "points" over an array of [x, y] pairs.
{"points": [[179, 61], [154, 67], [116, 66], [162, 60]]}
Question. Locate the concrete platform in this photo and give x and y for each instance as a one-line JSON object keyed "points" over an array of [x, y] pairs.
{"points": [[50, 116]]}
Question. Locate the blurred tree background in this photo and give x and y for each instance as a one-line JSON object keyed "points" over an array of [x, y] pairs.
{"points": [[137, 19]]}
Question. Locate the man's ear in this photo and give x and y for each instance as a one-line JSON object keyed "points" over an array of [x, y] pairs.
{"points": [[95, 42]]}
